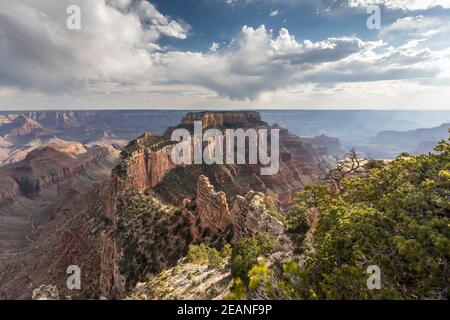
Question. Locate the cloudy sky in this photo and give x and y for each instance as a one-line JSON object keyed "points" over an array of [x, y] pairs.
{"points": [[225, 54]]}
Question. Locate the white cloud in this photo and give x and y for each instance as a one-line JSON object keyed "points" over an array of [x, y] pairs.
{"points": [[214, 48], [258, 62], [402, 4], [118, 51], [274, 13], [407, 5], [37, 51], [419, 31]]}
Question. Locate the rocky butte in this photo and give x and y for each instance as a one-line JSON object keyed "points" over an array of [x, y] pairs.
{"points": [[144, 218]]}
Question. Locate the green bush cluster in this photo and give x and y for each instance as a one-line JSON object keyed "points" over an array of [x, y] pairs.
{"points": [[245, 254], [202, 254], [396, 216]]}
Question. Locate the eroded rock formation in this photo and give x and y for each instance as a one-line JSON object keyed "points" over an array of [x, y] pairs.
{"points": [[212, 206], [216, 203], [249, 214], [231, 119], [145, 216], [45, 292], [45, 167]]}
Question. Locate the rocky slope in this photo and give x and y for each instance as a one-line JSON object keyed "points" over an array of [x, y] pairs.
{"points": [[185, 281], [190, 204], [41, 200], [414, 141], [45, 167], [326, 145], [21, 128], [22, 132], [143, 219], [194, 278]]}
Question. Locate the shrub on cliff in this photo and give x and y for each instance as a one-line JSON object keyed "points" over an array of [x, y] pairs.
{"points": [[396, 217], [299, 214], [245, 254], [202, 254]]}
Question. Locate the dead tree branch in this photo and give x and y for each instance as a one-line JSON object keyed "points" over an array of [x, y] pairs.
{"points": [[349, 165]]}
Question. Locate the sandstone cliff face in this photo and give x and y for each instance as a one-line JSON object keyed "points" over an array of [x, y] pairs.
{"points": [[255, 213], [249, 214], [111, 282], [224, 119], [45, 167], [21, 127], [32, 180], [326, 145], [145, 161], [212, 206], [143, 219]]}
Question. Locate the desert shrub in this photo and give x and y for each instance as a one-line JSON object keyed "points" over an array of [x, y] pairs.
{"points": [[245, 254], [277, 215], [204, 255], [313, 197], [405, 154], [373, 164], [396, 217], [226, 251]]}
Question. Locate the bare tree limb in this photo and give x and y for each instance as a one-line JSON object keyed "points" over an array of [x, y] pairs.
{"points": [[349, 165]]}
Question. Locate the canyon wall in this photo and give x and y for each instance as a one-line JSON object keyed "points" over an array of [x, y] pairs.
{"points": [[140, 169], [231, 119], [9, 190], [212, 206], [248, 216], [45, 167], [128, 229]]}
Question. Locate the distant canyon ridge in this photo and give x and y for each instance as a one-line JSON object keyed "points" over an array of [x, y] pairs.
{"points": [[98, 189], [376, 134], [121, 217]]}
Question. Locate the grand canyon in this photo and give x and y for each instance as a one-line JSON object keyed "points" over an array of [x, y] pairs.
{"points": [[60, 201], [224, 158], [75, 192]]}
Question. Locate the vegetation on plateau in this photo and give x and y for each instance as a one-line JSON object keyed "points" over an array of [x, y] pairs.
{"points": [[213, 258], [395, 216]]}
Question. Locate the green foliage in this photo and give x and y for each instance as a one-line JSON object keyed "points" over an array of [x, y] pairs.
{"points": [[246, 252], [314, 196], [239, 291], [396, 216], [405, 155], [276, 214], [374, 164], [297, 220], [226, 251], [148, 231], [261, 281], [202, 254]]}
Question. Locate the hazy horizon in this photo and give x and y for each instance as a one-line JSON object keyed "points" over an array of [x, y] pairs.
{"points": [[214, 109]]}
